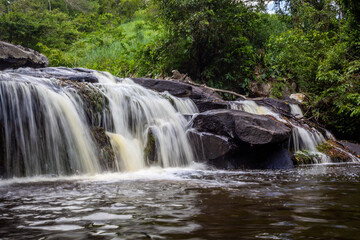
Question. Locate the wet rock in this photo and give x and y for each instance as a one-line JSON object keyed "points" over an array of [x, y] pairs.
{"points": [[351, 147], [207, 146], [178, 89], [106, 152], [242, 126], [279, 106], [15, 56], [62, 73], [150, 149], [204, 106], [256, 157]]}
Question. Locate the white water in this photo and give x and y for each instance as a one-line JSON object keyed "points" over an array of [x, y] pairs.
{"points": [[46, 132], [136, 112], [296, 110]]}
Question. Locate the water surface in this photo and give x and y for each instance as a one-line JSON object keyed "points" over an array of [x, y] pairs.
{"points": [[310, 202]]}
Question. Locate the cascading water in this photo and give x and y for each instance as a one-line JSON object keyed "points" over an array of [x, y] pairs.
{"points": [[44, 132], [302, 139], [44, 126], [140, 116]]}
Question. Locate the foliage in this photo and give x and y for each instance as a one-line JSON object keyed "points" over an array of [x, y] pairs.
{"points": [[209, 40]]}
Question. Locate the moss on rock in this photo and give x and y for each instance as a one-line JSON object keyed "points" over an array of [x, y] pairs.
{"points": [[106, 152], [334, 151]]}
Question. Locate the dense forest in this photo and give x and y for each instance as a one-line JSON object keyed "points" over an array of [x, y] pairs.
{"points": [[307, 46]]}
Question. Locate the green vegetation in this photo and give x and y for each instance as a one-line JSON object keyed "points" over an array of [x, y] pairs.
{"points": [[308, 46]]}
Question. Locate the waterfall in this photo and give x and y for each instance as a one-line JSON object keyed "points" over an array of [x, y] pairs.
{"points": [[137, 113], [303, 139], [45, 128], [296, 110]]}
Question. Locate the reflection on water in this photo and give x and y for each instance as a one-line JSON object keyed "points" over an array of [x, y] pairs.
{"points": [[311, 202]]}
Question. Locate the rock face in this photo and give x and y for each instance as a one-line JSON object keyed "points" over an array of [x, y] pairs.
{"points": [[242, 126], [13, 56], [207, 146]]}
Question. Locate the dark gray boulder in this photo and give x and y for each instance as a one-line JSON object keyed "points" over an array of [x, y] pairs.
{"points": [[242, 126], [15, 56], [204, 105], [207, 146], [272, 156]]}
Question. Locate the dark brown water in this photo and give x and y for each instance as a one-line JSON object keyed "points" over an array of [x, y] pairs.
{"points": [[313, 202]]}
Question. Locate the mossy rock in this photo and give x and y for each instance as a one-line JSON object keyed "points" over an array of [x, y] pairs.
{"points": [[150, 152], [303, 157], [106, 152], [336, 152], [94, 100]]}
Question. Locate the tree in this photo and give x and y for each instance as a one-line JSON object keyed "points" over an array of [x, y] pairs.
{"points": [[212, 38]]}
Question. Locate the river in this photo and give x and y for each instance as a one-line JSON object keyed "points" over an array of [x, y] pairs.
{"points": [[308, 202]]}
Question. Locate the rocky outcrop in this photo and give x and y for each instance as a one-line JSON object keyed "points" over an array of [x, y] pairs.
{"points": [[14, 56], [236, 139], [242, 126]]}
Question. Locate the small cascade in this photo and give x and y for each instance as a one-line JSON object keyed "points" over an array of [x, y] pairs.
{"points": [[46, 125], [137, 113], [127, 152], [296, 110], [303, 139], [251, 106]]}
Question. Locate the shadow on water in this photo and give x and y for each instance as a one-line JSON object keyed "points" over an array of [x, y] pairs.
{"points": [[311, 202]]}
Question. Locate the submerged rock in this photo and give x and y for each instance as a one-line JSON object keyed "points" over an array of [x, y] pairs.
{"points": [[15, 56]]}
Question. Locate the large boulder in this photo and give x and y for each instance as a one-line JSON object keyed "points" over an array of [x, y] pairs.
{"points": [[14, 56], [242, 126], [237, 139]]}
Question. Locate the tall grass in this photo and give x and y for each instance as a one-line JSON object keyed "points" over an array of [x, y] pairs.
{"points": [[115, 49]]}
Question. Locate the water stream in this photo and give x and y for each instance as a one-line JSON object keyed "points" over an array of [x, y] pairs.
{"points": [[310, 202]]}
